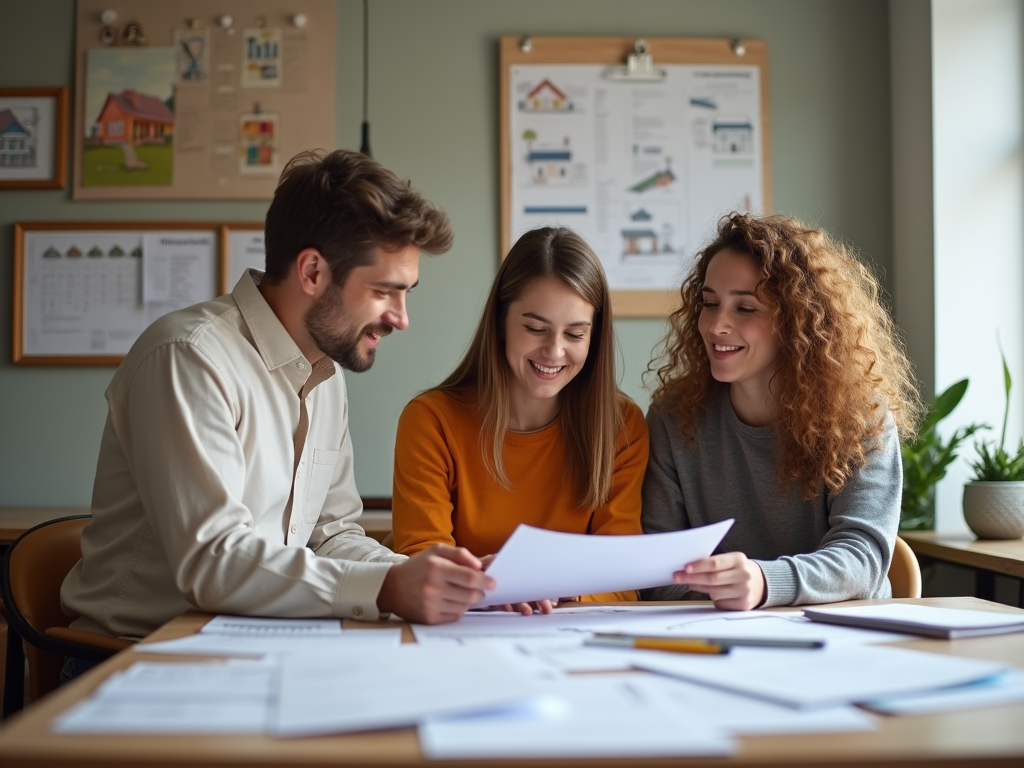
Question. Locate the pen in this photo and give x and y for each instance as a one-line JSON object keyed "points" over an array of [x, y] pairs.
{"points": [[727, 642], [673, 644]]}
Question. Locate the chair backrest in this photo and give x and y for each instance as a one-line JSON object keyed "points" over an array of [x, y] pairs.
{"points": [[904, 571], [36, 565]]}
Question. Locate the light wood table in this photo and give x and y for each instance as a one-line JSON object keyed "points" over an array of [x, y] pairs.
{"points": [[967, 739], [987, 557]]}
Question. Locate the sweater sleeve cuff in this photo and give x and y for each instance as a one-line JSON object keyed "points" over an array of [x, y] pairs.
{"points": [[780, 582], [356, 596]]}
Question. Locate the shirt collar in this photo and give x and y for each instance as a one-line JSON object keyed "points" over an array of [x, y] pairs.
{"points": [[275, 344]]}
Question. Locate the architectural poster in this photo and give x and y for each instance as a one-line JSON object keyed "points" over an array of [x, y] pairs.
{"points": [[642, 170]]}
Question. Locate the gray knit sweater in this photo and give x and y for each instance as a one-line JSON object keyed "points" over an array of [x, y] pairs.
{"points": [[820, 550]]}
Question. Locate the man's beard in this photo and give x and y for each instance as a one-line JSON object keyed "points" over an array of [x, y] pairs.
{"points": [[342, 347]]}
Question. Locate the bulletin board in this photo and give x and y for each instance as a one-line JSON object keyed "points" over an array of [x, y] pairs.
{"points": [[641, 168], [84, 291], [172, 104]]}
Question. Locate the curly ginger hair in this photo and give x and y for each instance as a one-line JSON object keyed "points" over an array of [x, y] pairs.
{"points": [[841, 367]]}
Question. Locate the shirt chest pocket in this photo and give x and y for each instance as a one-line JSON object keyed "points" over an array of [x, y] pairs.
{"points": [[321, 475]]}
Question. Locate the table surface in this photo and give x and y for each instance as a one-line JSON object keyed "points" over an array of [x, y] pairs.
{"points": [[16, 520], [992, 736], [1005, 556]]}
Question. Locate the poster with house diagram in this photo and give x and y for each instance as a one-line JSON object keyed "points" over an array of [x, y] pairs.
{"points": [[642, 170]]}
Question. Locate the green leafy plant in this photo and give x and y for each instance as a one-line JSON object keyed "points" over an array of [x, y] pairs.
{"points": [[926, 458], [994, 463]]}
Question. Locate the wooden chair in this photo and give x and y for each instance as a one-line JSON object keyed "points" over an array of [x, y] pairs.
{"points": [[904, 571], [33, 570]]}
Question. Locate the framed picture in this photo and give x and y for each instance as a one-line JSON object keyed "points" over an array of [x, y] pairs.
{"points": [[85, 290], [33, 138]]}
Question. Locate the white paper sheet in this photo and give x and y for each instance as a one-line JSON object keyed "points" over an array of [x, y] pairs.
{"points": [[599, 716], [819, 678], [578, 622], [246, 646], [391, 688], [158, 697], [103, 716], [264, 627], [746, 716], [1007, 688], [179, 268], [535, 564]]}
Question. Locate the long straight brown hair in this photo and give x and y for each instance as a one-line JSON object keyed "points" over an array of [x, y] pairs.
{"points": [[591, 404]]}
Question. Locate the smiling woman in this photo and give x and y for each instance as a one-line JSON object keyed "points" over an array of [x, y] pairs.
{"points": [[530, 427], [783, 373]]}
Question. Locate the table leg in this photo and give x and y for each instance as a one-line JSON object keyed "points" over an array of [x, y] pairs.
{"points": [[985, 585]]}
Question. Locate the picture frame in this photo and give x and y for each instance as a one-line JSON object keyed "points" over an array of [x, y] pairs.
{"points": [[85, 290], [33, 138]]}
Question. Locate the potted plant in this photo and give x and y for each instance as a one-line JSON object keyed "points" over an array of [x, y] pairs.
{"points": [[994, 500], [926, 457]]}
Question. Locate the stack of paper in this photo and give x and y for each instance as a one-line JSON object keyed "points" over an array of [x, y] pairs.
{"points": [[921, 620]]}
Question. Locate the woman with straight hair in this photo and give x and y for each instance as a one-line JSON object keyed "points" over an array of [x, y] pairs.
{"points": [[531, 426], [781, 394]]}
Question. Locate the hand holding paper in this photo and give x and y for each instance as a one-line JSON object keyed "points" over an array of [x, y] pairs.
{"points": [[535, 564]]}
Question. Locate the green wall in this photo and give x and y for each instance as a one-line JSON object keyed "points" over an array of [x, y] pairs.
{"points": [[434, 113]]}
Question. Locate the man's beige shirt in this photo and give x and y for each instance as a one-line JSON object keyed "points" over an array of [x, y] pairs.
{"points": [[208, 493]]}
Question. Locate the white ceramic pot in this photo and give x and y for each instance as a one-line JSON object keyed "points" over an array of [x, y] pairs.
{"points": [[995, 510]]}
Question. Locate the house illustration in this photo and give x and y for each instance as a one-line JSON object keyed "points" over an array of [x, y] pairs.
{"points": [[639, 237], [733, 137], [133, 117], [546, 97], [15, 141], [657, 179]]}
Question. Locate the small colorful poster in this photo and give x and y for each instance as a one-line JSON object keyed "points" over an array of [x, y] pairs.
{"points": [[261, 58], [258, 144], [193, 51]]}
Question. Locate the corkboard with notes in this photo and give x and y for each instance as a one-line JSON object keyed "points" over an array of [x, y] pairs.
{"points": [[189, 101]]}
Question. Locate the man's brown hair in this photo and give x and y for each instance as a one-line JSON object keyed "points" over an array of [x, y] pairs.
{"points": [[346, 205]]}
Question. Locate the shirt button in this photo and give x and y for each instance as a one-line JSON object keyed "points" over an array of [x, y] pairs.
{"points": [[295, 528], [300, 365], [357, 612]]}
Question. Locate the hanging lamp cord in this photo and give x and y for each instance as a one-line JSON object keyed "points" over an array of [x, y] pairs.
{"points": [[364, 147]]}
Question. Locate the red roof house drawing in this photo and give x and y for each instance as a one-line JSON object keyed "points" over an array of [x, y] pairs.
{"points": [[546, 97], [136, 117]]}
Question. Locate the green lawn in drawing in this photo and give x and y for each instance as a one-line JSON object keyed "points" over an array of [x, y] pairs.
{"points": [[104, 166]]}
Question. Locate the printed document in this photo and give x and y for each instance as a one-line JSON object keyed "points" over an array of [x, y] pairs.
{"points": [[535, 564]]}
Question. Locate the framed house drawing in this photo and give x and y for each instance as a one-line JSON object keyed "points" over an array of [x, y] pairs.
{"points": [[33, 138]]}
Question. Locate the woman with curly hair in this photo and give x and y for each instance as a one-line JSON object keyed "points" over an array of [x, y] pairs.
{"points": [[782, 390]]}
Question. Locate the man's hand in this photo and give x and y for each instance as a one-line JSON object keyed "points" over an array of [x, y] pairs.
{"points": [[434, 586], [731, 580]]}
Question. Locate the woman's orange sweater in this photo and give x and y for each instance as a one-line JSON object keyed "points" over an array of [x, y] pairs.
{"points": [[444, 494]]}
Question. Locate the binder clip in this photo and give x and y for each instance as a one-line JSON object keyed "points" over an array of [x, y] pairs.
{"points": [[639, 66]]}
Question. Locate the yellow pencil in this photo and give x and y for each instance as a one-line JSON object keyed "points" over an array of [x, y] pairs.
{"points": [[672, 644]]}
